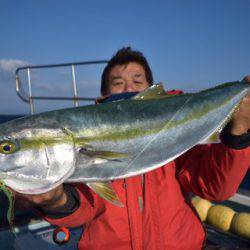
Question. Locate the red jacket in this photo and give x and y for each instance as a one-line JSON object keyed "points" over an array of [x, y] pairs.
{"points": [[157, 213]]}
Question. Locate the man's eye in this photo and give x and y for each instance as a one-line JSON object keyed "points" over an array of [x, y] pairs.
{"points": [[137, 82], [117, 83]]}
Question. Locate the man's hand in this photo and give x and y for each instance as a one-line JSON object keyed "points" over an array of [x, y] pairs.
{"points": [[240, 122], [49, 201]]}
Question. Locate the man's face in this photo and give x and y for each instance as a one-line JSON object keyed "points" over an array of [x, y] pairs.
{"points": [[127, 78]]}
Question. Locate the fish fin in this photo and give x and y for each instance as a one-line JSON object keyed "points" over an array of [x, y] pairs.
{"points": [[214, 138], [155, 91], [11, 199], [108, 155], [106, 191]]}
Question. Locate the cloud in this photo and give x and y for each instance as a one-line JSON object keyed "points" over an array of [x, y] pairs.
{"points": [[9, 102], [10, 65], [7, 70]]}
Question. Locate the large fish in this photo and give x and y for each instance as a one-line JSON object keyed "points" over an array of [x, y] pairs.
{"points": [[98, 143]]}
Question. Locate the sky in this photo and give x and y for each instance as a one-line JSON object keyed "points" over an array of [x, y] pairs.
{"points": [[190, 44]]}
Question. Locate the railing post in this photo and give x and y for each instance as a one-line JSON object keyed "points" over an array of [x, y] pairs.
{"points": [[30, 93], [76, 104]]}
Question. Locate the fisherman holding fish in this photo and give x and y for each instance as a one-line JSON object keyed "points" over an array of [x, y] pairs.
{"points": [[153, 209]]}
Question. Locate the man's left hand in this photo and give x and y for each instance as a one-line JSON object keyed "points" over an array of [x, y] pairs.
{"points": [[240, 122]]}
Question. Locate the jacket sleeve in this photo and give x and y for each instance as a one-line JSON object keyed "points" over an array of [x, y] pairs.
{"points": [[89, 205], [214, 171]]}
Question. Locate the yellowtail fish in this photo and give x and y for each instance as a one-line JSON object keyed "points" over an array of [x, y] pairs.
{"points": [[99, 143]]}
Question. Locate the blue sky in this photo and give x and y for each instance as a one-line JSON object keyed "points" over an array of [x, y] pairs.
{"points": [[190, 44]]}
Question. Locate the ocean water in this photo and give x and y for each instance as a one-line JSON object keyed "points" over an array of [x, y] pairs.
{"points": [[5, 118]]}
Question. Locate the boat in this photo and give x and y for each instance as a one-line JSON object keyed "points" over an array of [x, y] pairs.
{"points": [[31, 232]]}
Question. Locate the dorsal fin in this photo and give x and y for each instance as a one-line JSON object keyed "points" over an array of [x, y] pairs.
{"points": [[154, 91]]}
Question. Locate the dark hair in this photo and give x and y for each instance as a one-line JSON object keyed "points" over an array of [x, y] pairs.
{"points": [[125, 56]]}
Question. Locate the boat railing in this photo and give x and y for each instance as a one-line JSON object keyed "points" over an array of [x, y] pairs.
{"points": [[30, 98]]}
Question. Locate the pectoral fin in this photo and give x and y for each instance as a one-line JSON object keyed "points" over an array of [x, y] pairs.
{"points": [[107, 155], [106, 191]]}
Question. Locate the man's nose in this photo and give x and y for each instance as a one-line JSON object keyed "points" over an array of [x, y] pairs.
{"points": [[129, 87]]}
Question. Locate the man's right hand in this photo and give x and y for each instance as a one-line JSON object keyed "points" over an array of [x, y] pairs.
{"points": [[49, 201]]}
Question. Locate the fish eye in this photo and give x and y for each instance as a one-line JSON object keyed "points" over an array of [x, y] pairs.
{"points": [[7, 147]]}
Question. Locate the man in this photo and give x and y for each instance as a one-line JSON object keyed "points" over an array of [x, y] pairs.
{"points": [[157, 212]]}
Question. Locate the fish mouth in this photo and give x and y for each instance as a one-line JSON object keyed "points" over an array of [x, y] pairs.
{"points": [[23, 177]]}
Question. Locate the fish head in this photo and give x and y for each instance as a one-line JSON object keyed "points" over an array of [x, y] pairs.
{"points": [[34, 159]]}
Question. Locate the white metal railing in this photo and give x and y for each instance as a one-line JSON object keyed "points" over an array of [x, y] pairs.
{"points": [[29, 97]]}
